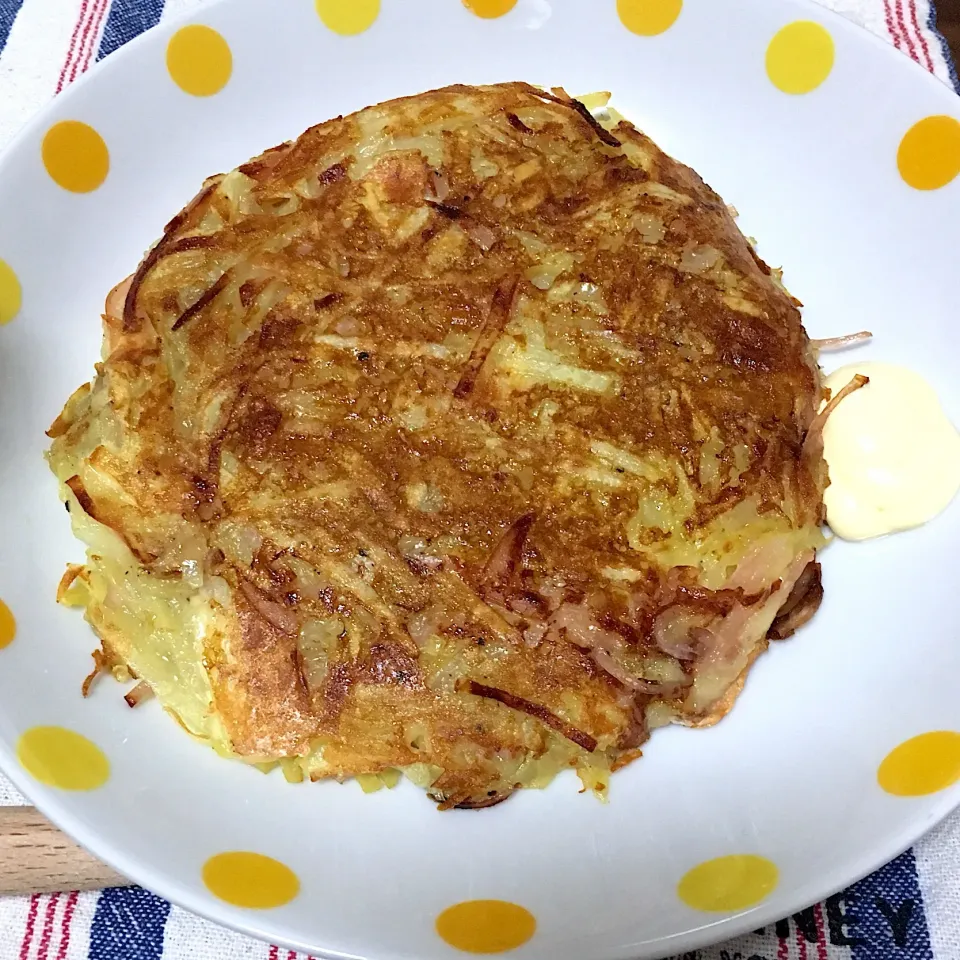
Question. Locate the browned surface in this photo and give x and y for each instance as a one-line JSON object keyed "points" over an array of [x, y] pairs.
{"points": [[338, 370]]}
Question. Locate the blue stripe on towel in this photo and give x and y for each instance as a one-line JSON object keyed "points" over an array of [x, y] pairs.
{"points": [[885, 915], [128, 925], [128, 19], [8, 13]]}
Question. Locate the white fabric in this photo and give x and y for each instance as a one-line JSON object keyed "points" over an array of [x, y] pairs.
{"points": [[938, 867]]}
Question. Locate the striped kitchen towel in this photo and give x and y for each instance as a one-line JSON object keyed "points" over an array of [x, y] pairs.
{"points": [[908, 910]]}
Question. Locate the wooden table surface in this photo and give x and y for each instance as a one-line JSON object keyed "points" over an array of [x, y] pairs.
{"points": [[948, 19]]}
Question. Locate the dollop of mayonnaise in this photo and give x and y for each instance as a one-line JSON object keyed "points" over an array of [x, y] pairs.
{"points": [[893, 455]]}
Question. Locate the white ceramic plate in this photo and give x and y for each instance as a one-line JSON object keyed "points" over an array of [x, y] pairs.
{"points": [[791, 775]]}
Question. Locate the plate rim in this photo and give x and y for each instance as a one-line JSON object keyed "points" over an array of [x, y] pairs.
{"points": [[64, 814]]}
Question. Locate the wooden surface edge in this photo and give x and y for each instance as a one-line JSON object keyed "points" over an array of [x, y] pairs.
{"points": [[36, 857], [948, 22]]}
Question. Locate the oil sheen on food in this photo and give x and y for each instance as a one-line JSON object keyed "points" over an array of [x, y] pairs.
{"points": [[893, 454]]}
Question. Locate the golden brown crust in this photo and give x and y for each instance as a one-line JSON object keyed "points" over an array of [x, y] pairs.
{"points": [[351, 369], [259, 691]]}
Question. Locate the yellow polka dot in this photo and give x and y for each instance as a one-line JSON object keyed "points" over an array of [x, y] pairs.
{"points": [[728, 883], [250, 880], [922, 765], [929, 153], [488, 9], [62, 758], [75, 156], [648, 17], [8, 626], [486, 926], [348, 17], [800, 57], [9, 293], [199, 60]]}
